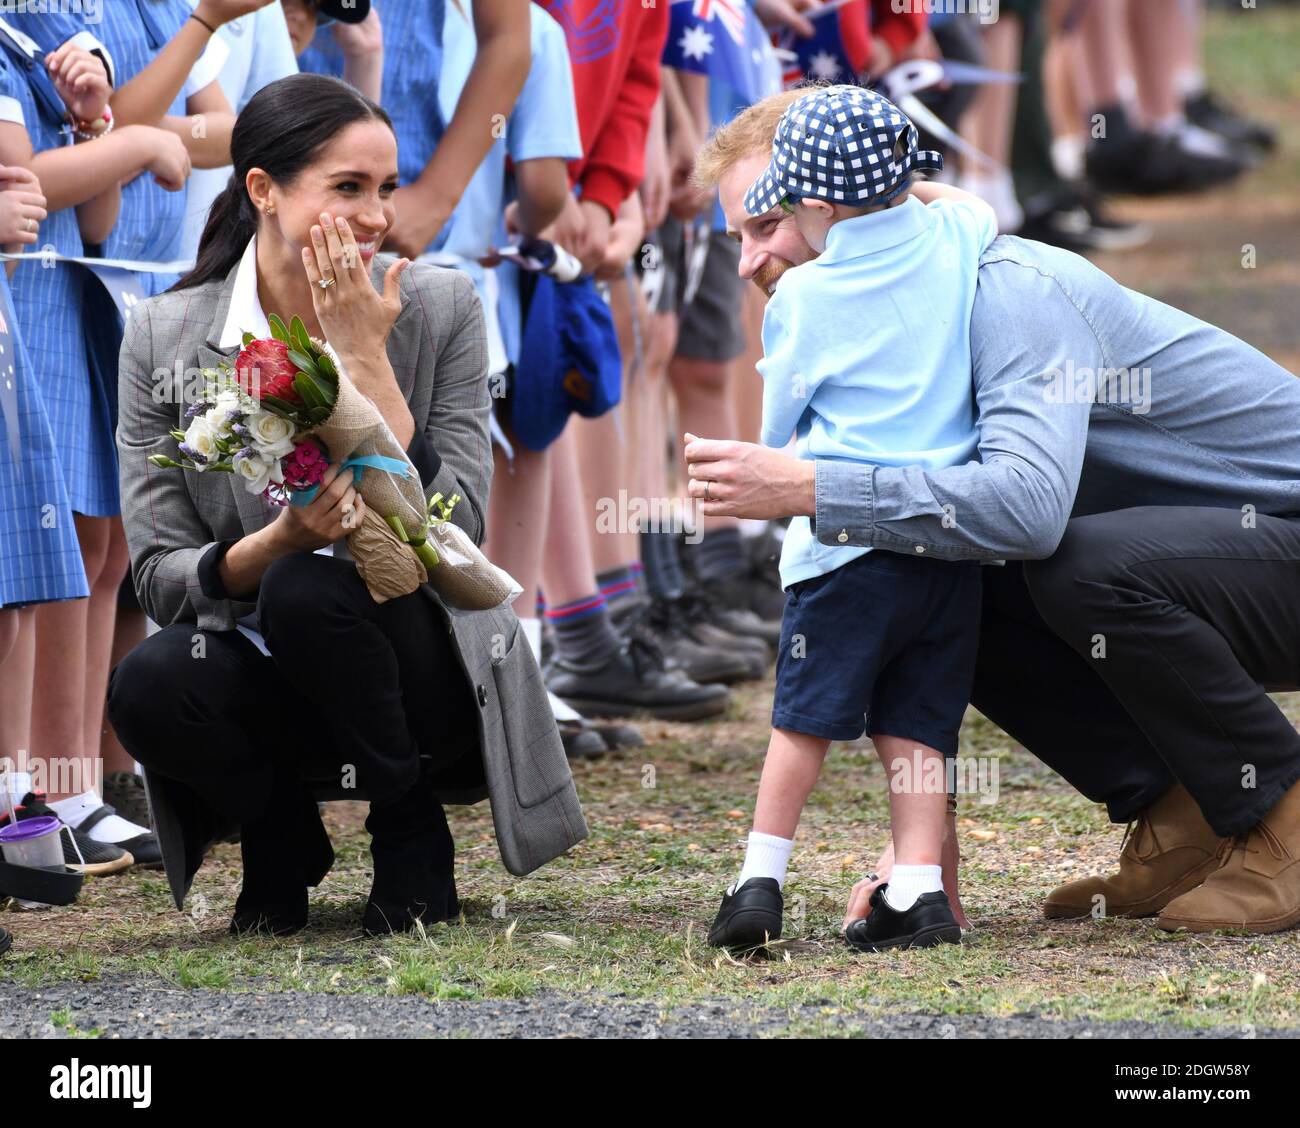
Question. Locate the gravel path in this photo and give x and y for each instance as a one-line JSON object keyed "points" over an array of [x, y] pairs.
{"points": [[146, 1008]]}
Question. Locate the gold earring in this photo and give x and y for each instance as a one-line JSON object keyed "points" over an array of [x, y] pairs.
{"points": [[270, 209]]}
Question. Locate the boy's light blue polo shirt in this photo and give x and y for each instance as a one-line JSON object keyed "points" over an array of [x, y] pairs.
{"points": [[866, 352]]}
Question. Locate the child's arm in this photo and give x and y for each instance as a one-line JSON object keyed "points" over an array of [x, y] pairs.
{"points": [[81, 80], [501, 65], [72, 174], [207, 128], [928, 193], [542, 185]]}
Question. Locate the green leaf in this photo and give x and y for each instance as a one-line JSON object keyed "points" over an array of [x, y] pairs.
{"points": [[320, 415], [326, 365], [164, 463], [248, 339], [278, 331], [303, 362], [280, 406], [300, 338], [305, 386]]}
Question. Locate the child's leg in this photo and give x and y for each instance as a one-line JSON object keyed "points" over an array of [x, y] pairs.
{"points": [[918, 810], [794, 760]]}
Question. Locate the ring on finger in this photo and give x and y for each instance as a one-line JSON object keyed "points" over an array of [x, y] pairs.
{"points": [[707, 484], [327, 282], [32, 225]]}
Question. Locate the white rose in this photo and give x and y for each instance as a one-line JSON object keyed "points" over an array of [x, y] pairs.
{"points": [[270, 434], [256, 472], [224, 407], [200, 439]]}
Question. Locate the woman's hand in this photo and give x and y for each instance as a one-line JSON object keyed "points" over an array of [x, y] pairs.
{"points": [[355, 319], [333, 513], [22, 206], [81, 80]]}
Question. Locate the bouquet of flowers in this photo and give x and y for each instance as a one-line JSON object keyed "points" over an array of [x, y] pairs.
{"points": [[281, 413]]}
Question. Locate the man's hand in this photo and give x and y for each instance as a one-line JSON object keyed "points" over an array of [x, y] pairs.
{"points": [[735, 479]]}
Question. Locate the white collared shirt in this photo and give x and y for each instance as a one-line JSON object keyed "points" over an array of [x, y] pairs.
{"points": [[245, 314]]}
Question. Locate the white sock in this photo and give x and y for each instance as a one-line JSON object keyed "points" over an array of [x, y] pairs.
{"points": [[114, 828], [1068, 155], [1190, 82], [766, 856], [907, 883]]}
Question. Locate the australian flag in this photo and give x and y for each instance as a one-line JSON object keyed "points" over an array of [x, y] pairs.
{"points": [[725, 40], [838, 50]]}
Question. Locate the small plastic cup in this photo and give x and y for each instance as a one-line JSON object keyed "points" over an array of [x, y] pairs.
{"points": [[33, 842]]}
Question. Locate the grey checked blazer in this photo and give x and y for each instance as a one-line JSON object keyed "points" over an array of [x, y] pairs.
{"points": [[438, 352]]}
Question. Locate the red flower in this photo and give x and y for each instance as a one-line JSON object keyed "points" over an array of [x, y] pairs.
{"points": [[263, 368]]}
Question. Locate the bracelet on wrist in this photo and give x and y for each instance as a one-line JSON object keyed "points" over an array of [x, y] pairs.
{"points": [[198, 19], [97, 127]]}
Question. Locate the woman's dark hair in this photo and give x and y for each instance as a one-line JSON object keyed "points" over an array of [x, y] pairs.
{"points": [[280, 131]]}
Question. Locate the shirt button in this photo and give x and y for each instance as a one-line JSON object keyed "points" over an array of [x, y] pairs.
{"points": [[920, 548], [843, 537]]}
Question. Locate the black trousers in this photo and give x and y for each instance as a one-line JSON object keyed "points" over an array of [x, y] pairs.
{"points": [[356, 691], [1140, 653]]}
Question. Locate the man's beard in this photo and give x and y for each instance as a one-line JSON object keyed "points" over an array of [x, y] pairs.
{"points": [[770, 274]]}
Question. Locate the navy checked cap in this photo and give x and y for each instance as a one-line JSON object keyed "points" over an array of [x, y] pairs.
{"points": [[842, 144]]}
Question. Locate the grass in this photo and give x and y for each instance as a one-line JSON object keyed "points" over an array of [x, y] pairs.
{"points": [[624, 915]]}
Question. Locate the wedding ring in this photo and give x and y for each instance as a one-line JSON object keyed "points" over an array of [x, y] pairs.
{"points": [[707, 484], [325, 283], [32, 225]]}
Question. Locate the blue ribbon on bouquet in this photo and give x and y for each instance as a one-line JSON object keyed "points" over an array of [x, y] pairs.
{"points": [[357, 466]]}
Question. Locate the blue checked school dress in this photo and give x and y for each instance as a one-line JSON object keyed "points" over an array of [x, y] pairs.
{"points": [[40, 557], [151, 223], [47, 297]]}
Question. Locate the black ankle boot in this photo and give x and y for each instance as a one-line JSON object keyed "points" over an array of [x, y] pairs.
{"points": [[284, 851], [414, 856]]}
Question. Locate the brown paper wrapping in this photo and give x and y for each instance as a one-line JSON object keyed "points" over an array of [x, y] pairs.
{"points": [[464, 577]]}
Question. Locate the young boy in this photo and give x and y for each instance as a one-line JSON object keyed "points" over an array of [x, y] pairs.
{"points": [[866, 357]]}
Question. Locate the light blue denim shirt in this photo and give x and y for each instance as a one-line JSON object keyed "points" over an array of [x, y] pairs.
{"points": [[867, 352], [1090, 398]]}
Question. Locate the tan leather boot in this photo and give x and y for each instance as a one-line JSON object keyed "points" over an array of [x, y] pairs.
{"points": [[1258, 886], [1169, 850]]}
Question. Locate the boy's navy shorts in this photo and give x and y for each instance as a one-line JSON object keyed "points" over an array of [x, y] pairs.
{"points": [[884, 645]]}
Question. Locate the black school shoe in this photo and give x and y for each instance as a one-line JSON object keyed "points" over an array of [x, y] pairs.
{"points": [[928, 922], [750, 917]]}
